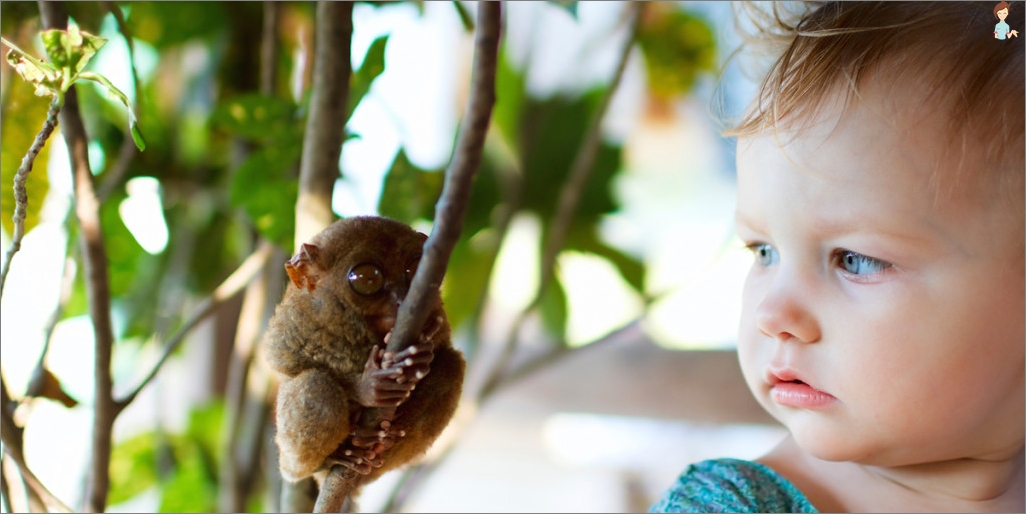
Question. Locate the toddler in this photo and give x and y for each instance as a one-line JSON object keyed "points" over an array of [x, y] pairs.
{"points": [[880, 190]]}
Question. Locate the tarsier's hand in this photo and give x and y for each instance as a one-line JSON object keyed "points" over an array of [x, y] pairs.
{"points": [[414, 362], [380, 384]]}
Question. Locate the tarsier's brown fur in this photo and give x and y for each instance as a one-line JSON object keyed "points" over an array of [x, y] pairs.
{"points": [[320, 341]]}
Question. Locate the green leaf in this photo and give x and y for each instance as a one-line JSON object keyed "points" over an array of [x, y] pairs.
{"points": [[678, 46], [510, 93], [264, 187], [261, 118], [132, 122], [551, 133], [584, 238], [193, 486], [42, 75], [70, 50], [469, 271], [570, 7], [133, 467], [360, 81], [554, 310], [23, 111], [465, 17], [409, 193]]}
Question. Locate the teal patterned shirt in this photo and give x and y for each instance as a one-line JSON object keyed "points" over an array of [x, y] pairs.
{"points": [[731, 485]]}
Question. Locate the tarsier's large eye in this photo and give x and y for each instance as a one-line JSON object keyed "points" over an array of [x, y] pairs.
{"points": [[366, 279], [411, 269]]}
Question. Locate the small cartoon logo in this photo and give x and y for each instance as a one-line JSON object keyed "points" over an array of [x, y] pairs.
{"points": [[1001, 29]]}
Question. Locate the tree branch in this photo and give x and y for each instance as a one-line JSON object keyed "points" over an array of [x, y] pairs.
{"points": [[20, 193], [569, 198], [94, 253], [224, 292], [565, 209], [322, 148], [326, 119], [449, 213], [11, 434]]}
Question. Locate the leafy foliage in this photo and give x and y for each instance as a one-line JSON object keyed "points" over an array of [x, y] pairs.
{"points": [[190, 485]]}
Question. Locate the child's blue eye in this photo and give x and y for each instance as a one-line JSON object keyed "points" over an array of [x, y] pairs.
{"points": [[858, 264], [765, 254]]}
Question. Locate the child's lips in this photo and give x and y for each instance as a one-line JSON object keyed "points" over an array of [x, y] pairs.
{"points": [[789, 390]]}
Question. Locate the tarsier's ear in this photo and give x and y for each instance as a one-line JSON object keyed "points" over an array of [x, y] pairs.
{"points": [[304, 268]]}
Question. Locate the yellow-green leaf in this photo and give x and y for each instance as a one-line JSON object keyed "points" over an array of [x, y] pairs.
{"points": [[20, 124]]}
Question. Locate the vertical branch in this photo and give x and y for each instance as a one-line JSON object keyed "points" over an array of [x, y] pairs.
{"points": [[87, 209], [325, 124], [568, 200], [322, 148], [11, 435], [566, 207], [449, 213]]}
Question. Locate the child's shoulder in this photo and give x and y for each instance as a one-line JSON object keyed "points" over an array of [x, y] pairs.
{"points": [[731, 485]]}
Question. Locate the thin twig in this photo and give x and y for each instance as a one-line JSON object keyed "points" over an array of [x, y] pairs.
{"points": [[449, 213], [12, 439], [20, 193], [224, 292], [569, 198], [128, 150]]}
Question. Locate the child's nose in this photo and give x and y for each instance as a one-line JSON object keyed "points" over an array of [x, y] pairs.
{"points": [[784, 314]]}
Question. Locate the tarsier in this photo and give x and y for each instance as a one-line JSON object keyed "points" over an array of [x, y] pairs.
{"points": [[327, 341]]}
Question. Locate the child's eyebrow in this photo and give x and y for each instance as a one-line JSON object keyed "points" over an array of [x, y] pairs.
{"points": [[743, 219]]}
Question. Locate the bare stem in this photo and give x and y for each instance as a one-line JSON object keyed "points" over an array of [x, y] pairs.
{"points": [[11, 435], [569, 198], [20, 193], [449, 213], [224, 292]]}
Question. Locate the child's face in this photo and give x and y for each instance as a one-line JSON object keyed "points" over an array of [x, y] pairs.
{"points": [[882, 320]]}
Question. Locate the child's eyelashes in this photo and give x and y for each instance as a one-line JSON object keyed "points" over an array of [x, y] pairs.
{"points": [[850, 262], [764, 254], [858, 264]]}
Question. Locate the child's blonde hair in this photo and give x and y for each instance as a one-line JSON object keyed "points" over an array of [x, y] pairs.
{"points": [[945, 51]]}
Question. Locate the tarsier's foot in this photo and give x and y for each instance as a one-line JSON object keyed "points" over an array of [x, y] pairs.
{"points": [[361, 461], [362, 450]]}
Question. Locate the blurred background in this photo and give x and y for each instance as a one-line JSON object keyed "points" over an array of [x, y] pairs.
{"points": [[618, 373]]}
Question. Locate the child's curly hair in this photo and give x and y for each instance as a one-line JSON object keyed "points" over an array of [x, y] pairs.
{"points": [[944, 52]]}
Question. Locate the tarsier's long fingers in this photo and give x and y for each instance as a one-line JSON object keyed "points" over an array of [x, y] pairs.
{"points": [[413, 363], [379, 386], [377, 440], [359, 460], [371, 443]]}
